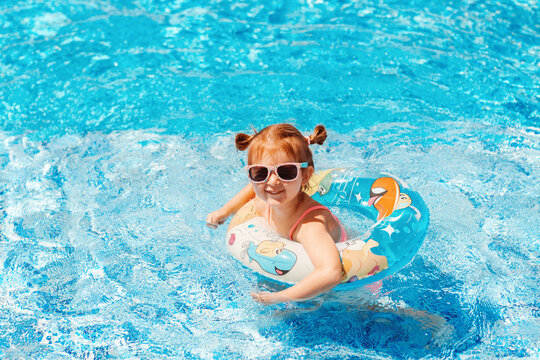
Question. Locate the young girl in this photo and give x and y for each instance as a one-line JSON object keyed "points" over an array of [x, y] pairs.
{"points": [[280, 164]]}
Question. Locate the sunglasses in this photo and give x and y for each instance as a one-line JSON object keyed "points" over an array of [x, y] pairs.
{"points": [[285, 172]]}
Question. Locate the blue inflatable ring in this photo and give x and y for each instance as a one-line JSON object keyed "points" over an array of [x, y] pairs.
{"points": [[400, 220]]}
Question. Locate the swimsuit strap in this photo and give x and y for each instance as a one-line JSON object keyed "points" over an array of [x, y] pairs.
{"points": [[317, 207]]}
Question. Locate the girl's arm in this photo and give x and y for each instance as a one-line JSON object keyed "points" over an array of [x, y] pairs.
{"points": [[322, 251], [219, 216]]}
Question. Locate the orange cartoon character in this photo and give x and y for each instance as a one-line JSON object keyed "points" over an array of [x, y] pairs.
{"points": [[385, 196]]}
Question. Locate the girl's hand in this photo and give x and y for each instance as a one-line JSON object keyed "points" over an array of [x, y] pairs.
{"points": [[267, 298], [216, 218]]}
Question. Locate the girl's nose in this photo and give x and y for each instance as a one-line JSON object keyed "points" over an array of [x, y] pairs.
{"points": [[273, 178]]}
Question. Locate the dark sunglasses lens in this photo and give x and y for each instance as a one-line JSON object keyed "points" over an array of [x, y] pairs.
{"points": [[258, 173], [287, 172]]}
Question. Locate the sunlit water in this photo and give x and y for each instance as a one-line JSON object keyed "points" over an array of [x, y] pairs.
{"points": [[117, 121]]}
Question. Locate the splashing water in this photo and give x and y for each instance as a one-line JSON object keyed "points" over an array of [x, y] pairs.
{"points": [[117, 121]]}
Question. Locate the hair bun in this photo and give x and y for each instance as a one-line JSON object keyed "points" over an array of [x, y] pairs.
{"points": [[318, 136], [242, 141]]}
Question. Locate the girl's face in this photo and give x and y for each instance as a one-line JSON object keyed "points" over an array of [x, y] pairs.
{"points": [[276, 192]]}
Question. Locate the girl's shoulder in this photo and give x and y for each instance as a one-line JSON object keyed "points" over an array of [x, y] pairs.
{"points": [[312, 208], [314, 212], [315, 215]]}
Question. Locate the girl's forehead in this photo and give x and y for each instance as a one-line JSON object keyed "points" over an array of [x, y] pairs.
{"points": [[273, 158]]}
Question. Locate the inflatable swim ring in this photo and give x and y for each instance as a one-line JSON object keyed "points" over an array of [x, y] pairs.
{"points": [[400, 219]]}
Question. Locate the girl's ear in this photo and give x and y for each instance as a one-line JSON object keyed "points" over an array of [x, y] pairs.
{"points": [[306, 175]]}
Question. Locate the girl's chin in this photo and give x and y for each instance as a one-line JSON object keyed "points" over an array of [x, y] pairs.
{"points": [[275, 199]]}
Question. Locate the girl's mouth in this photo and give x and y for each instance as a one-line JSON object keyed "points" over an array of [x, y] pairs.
{"points": [[274, 192]]}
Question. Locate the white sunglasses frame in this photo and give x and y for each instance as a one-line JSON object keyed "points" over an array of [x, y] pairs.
{"points": [[302, 165]]}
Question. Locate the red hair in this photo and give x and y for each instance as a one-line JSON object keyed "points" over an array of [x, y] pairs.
{"points": [[280, 137]]}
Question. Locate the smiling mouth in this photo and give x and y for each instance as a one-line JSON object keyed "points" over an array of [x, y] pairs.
{"points": [[280, 272], [274, 192]]}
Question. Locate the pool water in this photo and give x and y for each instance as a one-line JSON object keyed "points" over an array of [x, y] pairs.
{"points": [[117, 121]]}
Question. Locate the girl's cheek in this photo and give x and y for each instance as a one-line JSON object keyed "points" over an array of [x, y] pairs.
{"points": [[259, 191]]}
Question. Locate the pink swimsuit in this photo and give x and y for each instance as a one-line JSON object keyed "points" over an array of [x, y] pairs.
{"points": [[316, 207]]}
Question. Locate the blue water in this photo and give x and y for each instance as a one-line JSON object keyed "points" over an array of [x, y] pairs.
{"points": [[116, 128]]}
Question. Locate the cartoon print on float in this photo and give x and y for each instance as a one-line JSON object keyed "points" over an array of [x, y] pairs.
{"points": [[390, 242], [272, 256], [384, 196], [403, 201], [320, 183], [358, 264], [325, 184], [397, 218]]}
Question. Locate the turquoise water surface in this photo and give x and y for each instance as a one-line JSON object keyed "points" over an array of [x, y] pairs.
{"points": [[117, 121]]}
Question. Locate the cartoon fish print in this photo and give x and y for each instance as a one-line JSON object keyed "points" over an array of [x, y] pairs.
{"points": [[272, 257]]}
